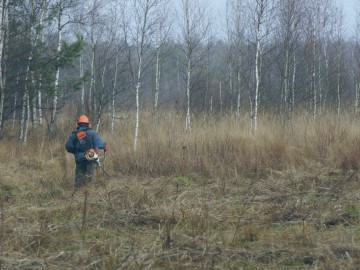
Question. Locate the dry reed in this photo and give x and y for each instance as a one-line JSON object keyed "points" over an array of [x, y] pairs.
{"points": [[216, 198]]}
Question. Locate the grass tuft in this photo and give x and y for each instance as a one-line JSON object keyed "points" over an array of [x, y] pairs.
{"points": [[215, 198]]}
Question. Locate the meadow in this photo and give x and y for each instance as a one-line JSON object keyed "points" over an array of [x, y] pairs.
{"points": [[217, 197]]}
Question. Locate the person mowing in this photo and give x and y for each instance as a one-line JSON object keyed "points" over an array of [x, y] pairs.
{"points": [[84, 143]]}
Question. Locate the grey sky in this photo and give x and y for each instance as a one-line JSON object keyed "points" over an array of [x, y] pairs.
{"points": [[349, 8]]}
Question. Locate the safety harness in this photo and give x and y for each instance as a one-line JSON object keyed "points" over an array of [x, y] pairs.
{"points": [[90, 153]]}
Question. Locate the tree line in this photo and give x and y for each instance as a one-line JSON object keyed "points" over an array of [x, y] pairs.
{"points": [[102, 57]]}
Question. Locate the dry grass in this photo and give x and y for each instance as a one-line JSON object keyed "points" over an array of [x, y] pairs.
{"points": [[215, 198]]}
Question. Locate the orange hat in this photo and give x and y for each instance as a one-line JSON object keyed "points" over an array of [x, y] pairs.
{"points": [[83, 119]]}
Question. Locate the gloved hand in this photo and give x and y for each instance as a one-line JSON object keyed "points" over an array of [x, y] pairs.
{"points": [[105, 148]]}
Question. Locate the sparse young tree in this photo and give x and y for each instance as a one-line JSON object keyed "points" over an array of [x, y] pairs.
{"points": [[337, 38], [162, 33], [141, 26], [289, 19], [61, 8], [263, 14], [195, 28], [236, 39]]}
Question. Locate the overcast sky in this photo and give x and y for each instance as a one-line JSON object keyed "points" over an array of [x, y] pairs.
{"points": [[349, 8]]}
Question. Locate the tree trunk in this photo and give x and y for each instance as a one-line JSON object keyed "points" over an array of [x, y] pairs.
{"points": [[40, 106], [221, 100], [356, 97], [258, 59], [113, 110], [82, 98], [188, 96], [231, 87], [293, 85], [14, 112], [101, 100], [23, 114], [137, 120], [27, 121], [157, 85], [313, 74], [3, 40], [57, 75], [92, 83], [338, 75], [239, 85]]}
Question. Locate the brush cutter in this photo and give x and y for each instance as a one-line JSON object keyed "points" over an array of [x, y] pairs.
{"points": [[92, 155]]}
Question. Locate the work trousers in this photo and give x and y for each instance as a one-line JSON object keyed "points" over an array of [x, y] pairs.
{"points": [[84, 172]]}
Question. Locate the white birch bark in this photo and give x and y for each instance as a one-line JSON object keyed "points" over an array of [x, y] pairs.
{"points": [[259, 25], [39, 92], [239, 29], [33, 109], [338, 75], [187, 33], [157, 85], [221, 100], [23, 114], [28, 82], [36, 36], [92, 81], [357, 96], [326, 78], [188, 96], [57, 75], [3, 31], [238, 98], [257, 82], [161, 33], [27, 121], [231, 87], [339, 51], [26, 107], [195, 29], [114, 87], [14, 112], [82, 97], [40, 105], [320, 90], [100, 108], [137, 117], [286, 79], [293, 84], [145, 31], [313, 75]]}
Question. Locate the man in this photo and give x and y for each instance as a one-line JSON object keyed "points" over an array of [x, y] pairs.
{"points": [[84, 143]]}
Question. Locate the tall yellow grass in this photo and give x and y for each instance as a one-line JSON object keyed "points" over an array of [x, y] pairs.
{"points": [[216, 147], [217, 197]]}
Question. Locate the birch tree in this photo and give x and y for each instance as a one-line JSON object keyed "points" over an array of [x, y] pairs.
{"points": [[337, 36], [61, 8], [290, 14], [33, 37], [236, 35], [195, 28], [263, 14], [162, 32], [142, 26], [317, 20]]}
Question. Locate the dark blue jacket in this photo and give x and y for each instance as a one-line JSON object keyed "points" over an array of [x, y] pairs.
{"points": [[79, 147]]}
